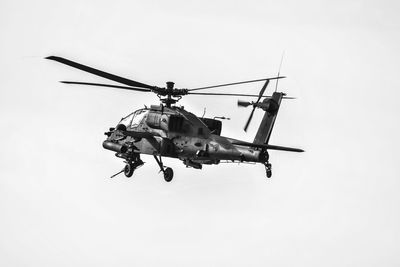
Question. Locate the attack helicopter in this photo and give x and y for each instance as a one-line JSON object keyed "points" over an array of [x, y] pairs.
{"points": [[167, 130]]}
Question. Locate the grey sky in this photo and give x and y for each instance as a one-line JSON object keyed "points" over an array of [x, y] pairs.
{"points": [[335, 205]]}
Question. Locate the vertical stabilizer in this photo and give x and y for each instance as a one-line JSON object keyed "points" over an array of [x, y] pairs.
{"points": [[271, 107]]}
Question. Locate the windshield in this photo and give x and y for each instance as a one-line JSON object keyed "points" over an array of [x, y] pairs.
{"points": [[127, 120], [138, 117], [134, 119]]}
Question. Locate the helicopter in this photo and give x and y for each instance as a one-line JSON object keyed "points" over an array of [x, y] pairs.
{"points": [[168, 130]]}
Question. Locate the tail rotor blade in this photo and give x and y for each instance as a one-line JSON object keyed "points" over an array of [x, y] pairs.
{"points": [[249, 120], [262, 90], [260, 95]]}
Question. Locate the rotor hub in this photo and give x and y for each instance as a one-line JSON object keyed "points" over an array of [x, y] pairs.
{"points": [[170, 85]]}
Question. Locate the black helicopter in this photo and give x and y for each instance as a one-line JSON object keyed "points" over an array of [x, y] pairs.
{"points": [[166, 130]]}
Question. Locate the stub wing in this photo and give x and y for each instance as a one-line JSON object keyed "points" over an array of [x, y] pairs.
{"points": [[271, 147], [135, 134]]}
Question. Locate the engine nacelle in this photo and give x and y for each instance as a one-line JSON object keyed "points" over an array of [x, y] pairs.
{"points": [[157, 121], [166, 122], [215, 126]]}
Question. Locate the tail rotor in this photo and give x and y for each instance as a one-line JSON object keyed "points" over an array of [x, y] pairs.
{"points": [[254, 104]]}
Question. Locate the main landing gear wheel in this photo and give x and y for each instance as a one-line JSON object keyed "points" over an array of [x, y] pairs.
{"points": [[129, 169], [168, 174]]}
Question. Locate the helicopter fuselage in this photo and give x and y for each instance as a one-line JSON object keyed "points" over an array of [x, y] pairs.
{"points": [[177, 133]]}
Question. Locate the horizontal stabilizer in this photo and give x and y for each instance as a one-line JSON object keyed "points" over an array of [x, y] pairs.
{"points": [[272, 147]]}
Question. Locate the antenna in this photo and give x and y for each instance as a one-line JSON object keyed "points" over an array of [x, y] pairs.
{"points": [[204, 113], [222, 118], [279, 71]]}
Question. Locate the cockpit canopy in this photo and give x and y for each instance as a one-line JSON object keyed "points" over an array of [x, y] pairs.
{"points": [[170, 122], [134, 119]]}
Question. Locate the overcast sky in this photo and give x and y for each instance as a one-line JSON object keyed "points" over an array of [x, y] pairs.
{"points": [[335, 205]]}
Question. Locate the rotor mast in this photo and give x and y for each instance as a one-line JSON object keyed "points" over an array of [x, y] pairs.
{"points": [[169, 90]]}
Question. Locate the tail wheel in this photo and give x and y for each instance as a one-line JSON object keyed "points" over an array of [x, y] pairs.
{"points": [[268, 170], [168, 174], [129, 169]]}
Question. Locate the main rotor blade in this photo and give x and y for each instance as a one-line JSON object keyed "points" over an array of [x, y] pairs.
{"points": [[228, 84], [108, 85], [99, 72], [249, 120], [223, 94]]}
